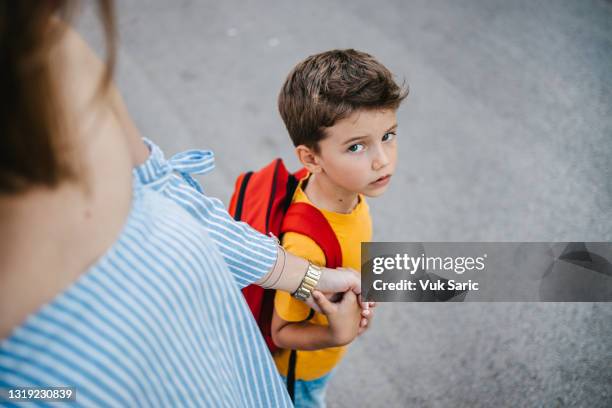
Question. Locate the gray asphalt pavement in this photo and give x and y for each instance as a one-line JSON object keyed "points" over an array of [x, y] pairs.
{"points": [[506, 136]]}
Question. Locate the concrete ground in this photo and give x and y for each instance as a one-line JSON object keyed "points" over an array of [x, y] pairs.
{"points": [[506, 136]]}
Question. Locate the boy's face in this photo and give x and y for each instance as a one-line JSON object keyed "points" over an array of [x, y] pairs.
{"points": [[359, 152]]}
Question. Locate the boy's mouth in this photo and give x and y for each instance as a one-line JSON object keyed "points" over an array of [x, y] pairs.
{"points": [[381, 181]]}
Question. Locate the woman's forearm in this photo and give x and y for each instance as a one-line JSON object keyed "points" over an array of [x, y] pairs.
{"points": [[286, 274], [289, 270]]}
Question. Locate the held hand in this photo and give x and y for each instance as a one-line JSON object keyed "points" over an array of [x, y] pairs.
{"points": [[334, 282], [339, 280], [343, 317], [332, 297]]}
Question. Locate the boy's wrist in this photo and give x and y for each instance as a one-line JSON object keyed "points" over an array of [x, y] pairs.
{"points": [[339, 339], [332, 338], [337, 332]]}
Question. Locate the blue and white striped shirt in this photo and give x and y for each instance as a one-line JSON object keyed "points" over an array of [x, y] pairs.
{"points": [[159, 320]]}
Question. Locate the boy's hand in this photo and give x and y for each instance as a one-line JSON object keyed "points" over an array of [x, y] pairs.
{"points": [[366, 312], [344, 317]]}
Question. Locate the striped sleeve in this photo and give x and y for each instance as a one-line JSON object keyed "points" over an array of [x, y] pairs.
{"points": [[248, 253]]}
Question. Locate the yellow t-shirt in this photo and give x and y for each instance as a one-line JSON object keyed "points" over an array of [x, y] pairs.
{"points": [[351, 229]]}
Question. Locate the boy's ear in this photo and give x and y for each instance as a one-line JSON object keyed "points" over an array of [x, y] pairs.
{"points": [[308, 158]]}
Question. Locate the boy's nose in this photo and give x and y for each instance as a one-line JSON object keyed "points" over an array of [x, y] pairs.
{"points": [[380, 160]]}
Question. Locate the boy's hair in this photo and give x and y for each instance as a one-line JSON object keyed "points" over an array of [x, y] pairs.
{"points": [[329, 86]]}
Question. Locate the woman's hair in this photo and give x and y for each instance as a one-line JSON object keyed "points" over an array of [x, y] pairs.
{"points": [[32, 140]]}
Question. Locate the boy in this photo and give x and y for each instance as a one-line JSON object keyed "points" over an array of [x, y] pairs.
{"points": [[339, 108]]}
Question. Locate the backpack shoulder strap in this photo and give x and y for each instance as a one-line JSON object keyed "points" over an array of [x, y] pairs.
{"points": [[307, 220]]}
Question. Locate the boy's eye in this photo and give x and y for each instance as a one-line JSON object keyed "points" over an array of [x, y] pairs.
{"points": [[388, 136], [357, 147]]}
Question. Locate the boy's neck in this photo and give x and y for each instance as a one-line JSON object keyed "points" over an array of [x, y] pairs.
{"points": [[327, 196]]}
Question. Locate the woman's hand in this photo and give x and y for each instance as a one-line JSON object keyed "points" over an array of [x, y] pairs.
{"points": [[334, 282], [339, 281]]}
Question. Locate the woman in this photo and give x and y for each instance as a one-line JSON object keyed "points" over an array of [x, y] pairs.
{"points": [[113, 288]]}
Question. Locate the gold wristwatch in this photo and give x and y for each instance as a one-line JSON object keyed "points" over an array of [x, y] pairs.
{"points": [[313, 274]]}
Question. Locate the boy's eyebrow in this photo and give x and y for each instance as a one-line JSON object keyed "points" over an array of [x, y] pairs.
{"points": [[355, 138], [391, 128]]}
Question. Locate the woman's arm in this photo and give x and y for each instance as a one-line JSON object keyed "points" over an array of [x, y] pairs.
{"points": [[289, 270]]}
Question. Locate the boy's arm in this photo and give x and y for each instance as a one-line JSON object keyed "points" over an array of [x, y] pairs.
{"points": [[300, 335]]}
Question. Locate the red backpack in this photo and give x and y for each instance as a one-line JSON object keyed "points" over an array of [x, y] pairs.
{"points": [[263, 200]]}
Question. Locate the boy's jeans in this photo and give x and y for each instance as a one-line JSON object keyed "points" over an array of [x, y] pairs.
{"points": [[311, 394]]}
